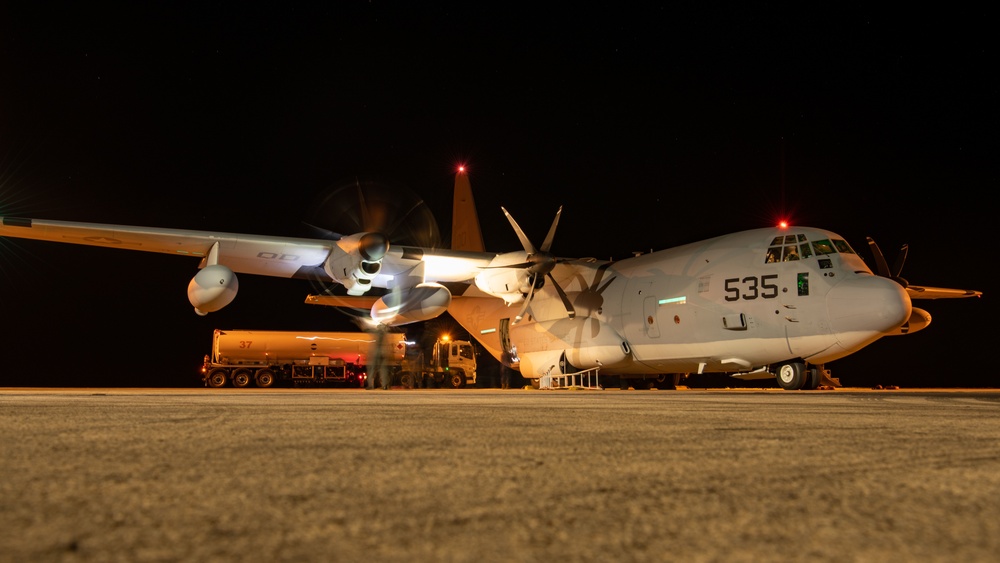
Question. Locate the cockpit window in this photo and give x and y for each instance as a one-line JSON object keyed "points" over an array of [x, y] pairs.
{"points": [[785, 253], [843, 247], [806, 250], [785, 248], [823, 247]]}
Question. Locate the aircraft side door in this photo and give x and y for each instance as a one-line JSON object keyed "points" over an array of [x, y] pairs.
{"points": [[803, 311]]}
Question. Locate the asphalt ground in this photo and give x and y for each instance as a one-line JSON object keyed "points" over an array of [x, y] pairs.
{"points": [[490, 475]]}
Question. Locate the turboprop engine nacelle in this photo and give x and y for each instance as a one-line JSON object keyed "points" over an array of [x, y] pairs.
{"points": [[355, 261], [509, 284], [212, 288], [420, 303], [583, 342]]}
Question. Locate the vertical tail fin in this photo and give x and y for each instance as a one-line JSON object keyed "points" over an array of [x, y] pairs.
{"points": [[465, 231]]}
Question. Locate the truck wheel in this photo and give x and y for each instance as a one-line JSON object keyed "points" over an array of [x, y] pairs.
{"points": [[216, 378], [241, 378], [406, 380], [456, 379], [264, 378]]}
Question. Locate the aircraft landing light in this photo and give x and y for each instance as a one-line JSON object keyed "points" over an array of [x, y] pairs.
{"points": [[674, 301]]}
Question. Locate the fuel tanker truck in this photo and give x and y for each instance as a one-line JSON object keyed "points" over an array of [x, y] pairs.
{"points": [[268, 358]]}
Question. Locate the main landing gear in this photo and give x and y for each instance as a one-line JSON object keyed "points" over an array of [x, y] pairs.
{"points": [[793, 376]]}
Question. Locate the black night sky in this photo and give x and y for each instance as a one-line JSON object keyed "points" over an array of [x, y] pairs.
{"points": [[653, 125]]}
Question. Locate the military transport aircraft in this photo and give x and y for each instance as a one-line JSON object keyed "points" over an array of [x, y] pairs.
{"points": [[773, 302]]}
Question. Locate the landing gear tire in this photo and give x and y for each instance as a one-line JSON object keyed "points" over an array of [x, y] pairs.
{"points": [[216, 378], [791, 376], [623, 384], [812, 378], [242, 378], [264, 378], [668, 381]]}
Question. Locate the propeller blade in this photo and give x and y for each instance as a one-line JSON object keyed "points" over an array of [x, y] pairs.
{"points": [[883, 267], [880, 263], [897, 267], [527, 301], [562, 295], [366, 219], [528, 247], [518, 265], [547, 243], [322, 233], [539, 263]]}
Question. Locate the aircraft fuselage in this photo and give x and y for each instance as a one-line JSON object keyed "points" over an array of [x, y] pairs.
{"points": [[734, 303]]}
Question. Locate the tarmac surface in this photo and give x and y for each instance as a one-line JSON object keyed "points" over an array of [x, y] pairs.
{"points": [[490, 475]]}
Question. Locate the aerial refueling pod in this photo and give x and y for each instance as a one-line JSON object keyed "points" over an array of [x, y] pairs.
{"points": [[212, 288], [419, 303]]}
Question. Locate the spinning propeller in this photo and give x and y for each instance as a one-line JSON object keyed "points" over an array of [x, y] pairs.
{"points": [[539, 264], [365, 205], [388, 212], [883, 267]]}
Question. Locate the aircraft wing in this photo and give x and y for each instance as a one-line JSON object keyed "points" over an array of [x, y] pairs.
{"points": [[266, 255], [251, 254], [925, 292]]}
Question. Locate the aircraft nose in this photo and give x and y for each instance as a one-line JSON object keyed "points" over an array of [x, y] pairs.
{"points": [[867, 304]]}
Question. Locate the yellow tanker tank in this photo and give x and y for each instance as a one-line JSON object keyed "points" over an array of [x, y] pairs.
{"points": [[276, 347]]}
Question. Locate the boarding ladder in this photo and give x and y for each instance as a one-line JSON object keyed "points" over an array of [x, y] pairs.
{"points": [[586, 379]]}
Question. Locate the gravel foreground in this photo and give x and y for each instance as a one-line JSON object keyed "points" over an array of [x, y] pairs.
{"points": [[490, 475]]}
